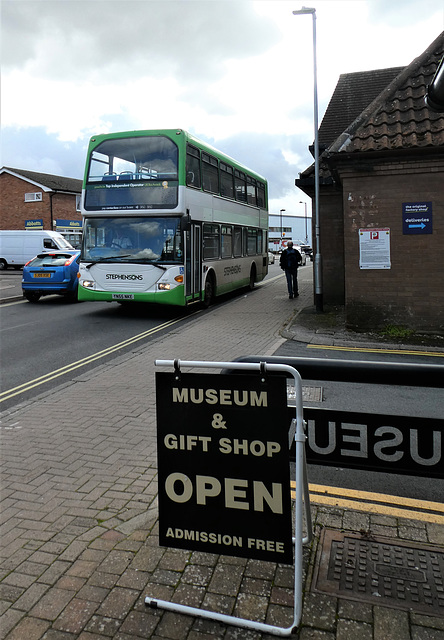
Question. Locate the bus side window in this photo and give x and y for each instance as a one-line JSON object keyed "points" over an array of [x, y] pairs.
{"points": [[211, 241], [261, 195], [259, 242], [226, 181], [237, 242], [252, 241], [251, 191], [240, 186], [210, 173], [226, 241], [193, 167]]}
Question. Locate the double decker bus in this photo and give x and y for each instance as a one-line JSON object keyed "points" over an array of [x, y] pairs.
{"points": [[168, 219]]}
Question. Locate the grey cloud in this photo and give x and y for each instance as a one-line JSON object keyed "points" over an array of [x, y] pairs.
{"points": [[72, 38]]}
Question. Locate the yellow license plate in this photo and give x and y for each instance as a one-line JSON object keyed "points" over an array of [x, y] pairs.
{"points": [[41, 275]]}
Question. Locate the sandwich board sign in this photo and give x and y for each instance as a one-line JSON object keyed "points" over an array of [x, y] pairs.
{"points": [[223, 463]]}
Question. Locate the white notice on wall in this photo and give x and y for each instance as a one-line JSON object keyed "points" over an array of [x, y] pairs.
{"points": [[374, 248]]}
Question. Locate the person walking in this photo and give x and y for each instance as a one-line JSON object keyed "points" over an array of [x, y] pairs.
{"points": [[289, 262]]}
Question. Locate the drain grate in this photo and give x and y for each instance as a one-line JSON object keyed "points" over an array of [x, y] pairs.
{"points": [[380, 571]]}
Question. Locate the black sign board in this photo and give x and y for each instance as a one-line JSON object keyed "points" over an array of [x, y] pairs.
{"points": [[375, 442], [223, 458], [417, 217]]}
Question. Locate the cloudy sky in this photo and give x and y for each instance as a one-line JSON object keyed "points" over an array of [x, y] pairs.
{"points": [[237, 73]]}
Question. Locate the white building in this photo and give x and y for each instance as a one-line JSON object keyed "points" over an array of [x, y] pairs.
{"points": [[284, 227]]}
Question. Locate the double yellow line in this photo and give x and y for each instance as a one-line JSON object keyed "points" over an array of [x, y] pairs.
{"points": [[405, 352], [52, 375], [376, 503]]}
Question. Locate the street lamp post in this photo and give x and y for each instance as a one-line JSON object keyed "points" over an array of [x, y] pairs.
{"points": [[306, 228], [318, 258], [281, 212]]}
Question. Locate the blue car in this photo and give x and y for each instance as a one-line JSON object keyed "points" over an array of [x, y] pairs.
{"points": [[51, 272]]}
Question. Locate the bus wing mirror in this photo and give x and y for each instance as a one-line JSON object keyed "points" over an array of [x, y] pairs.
{"points": [[185, 222]]}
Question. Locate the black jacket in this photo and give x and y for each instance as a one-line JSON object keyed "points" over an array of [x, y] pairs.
{"points": [[284, 259]]}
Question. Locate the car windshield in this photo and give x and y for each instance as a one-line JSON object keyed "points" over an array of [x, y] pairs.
{"points": [[50, 260], [133, 173], [144, 239]]}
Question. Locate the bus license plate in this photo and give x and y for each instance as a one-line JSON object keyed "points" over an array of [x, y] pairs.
{"points": [[41, 275], [123, 296]]}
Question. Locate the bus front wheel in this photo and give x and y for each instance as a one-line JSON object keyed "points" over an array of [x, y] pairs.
{"points": [[208, 292]]}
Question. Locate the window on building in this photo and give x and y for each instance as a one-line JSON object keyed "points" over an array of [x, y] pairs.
{"points": [[33, 197]]}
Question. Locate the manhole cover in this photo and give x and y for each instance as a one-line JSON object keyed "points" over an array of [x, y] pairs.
{"points": [[381, 571]]}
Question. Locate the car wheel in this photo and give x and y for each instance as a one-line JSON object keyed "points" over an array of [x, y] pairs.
{"points": [[31, 296], [3, 265]]}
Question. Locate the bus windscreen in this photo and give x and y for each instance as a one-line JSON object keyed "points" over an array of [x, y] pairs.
{"points": [[132, 173], [132, 240]]}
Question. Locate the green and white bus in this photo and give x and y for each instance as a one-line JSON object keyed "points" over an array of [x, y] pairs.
{"points": [[169, 220]]}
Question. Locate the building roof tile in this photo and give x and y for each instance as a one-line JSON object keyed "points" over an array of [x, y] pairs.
{"points": [[353, 93], [49, 181], [398, 118]]}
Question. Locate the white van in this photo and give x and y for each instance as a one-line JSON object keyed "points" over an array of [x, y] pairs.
{"points": [[18, 247]]}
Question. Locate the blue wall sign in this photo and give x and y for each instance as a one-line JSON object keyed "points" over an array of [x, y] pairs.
{"points": [[34, 224], [67, 225], [417, 217]]}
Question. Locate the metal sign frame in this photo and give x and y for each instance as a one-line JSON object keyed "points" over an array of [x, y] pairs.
{"points": [[302, 501]]}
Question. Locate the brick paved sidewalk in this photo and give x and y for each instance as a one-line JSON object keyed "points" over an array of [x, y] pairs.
{"points": [[79, 544]]}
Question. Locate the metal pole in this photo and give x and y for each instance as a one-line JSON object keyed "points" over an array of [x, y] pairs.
{"points": [[306, 231], [319, 301]]}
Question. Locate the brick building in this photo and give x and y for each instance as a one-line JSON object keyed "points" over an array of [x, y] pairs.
{"points": [[381, 199], [32, 200]]}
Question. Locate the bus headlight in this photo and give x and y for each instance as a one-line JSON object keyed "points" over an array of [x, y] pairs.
{"points": [[164, 286], [88, 284]]}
